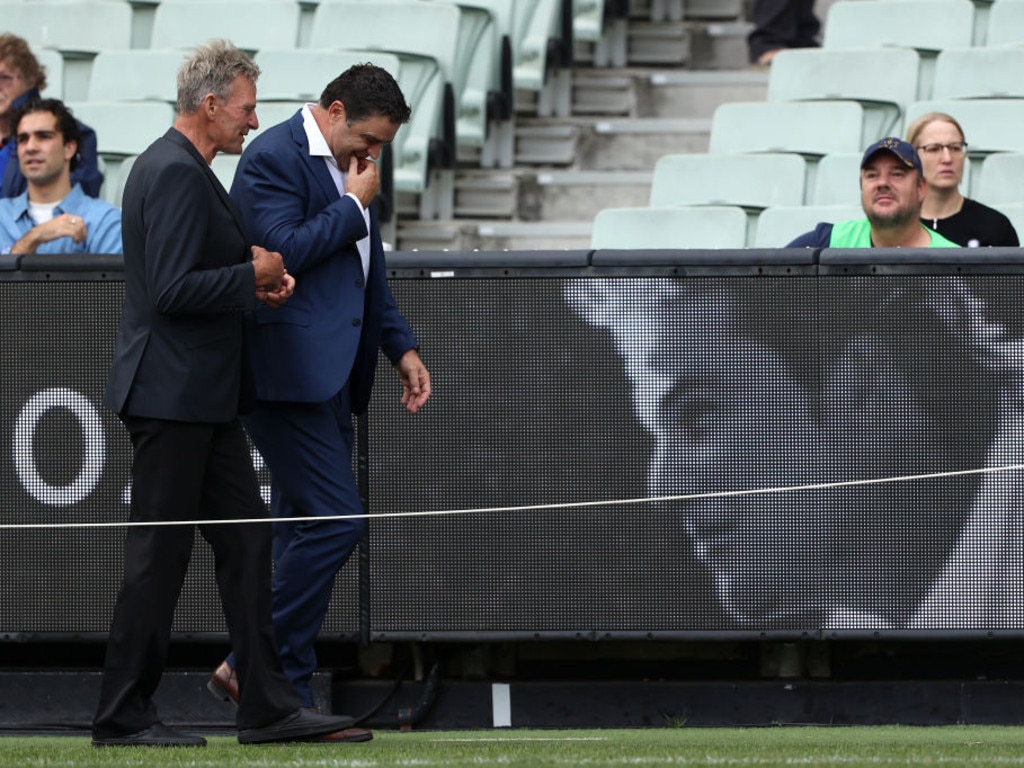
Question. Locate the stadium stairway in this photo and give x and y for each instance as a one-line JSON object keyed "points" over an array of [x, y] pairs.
{"points": [[602, 154]]}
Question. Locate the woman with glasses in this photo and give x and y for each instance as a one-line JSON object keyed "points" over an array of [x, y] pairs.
{"points": [[939, 141]]}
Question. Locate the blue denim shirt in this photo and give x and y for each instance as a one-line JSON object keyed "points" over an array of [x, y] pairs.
{"points": [[102, 224]]}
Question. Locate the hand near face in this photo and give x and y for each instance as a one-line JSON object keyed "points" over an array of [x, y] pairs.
{"points": [[415, 381], [363, 179]]}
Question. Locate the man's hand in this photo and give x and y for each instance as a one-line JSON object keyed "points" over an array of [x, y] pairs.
{"points": [[65, 225], [275, 299], [415, 380], [363, 180], [269, 267]]}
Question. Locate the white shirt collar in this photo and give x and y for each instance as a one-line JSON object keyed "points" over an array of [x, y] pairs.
{"points": [[317, 143]]}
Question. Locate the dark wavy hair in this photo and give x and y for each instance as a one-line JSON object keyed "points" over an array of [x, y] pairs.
{"points": [[66, 122], [367, 91]]}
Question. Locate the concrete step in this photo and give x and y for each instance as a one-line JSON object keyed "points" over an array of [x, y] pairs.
{"points": [[492, 235], [617, 144], [720, 45], [677, 93], [579, 195]]}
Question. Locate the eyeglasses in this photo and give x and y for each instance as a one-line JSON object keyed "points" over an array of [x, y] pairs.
{"points": [[956, 148]]}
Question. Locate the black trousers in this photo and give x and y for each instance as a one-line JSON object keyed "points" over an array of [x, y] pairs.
{"points": [[187, 471], [782, 24]]}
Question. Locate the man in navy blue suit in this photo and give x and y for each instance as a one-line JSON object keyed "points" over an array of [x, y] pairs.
{"points": [[306, 188]]}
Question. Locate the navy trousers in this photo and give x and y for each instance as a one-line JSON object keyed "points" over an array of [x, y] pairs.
{"points": [[308, 449]]}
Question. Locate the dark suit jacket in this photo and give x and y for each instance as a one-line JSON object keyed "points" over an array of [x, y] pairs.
{"points": [[188, 281], [332, 327]]}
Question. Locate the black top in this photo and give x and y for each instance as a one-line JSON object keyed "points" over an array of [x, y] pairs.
{"points": [[975, 225]]}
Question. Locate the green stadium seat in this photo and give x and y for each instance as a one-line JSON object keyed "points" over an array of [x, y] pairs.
{"points": [[752, 181], [676, 227], [777, 226], [883, 80]]}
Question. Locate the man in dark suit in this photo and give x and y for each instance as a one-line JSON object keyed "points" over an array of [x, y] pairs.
{"points": [[177, 381], [305, 188]]}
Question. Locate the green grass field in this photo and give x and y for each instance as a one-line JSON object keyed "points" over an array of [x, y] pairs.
{"points": [[784, 746]]}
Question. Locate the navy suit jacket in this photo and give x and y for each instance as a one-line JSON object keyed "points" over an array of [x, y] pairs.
{"points": [[188, 282], [332, 327]]}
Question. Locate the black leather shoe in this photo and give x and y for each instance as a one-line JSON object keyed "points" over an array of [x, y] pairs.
{"points": [[298, 726], [157, 735]]}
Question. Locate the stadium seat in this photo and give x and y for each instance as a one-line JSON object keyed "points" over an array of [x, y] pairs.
{"points": [[75, 27], [273, 112], [925, 25], [676, 227], [837, 180], [883, 80], [778, 225], [425, 41], [990, 125], [1013, 211], [1000, 179], [300, 74], [1005, 23], [123, 129], [752, 181], [928, 26], [542, 54], [811, 128], [981, 10], [134, 75], [114, 179], [979, 73], [223, 167], [53, 63], [483, 82], [78, 30], [262, 23]]}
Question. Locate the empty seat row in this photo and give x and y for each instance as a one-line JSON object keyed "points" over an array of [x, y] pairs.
{"points": [[927, 25], [723, 226]]}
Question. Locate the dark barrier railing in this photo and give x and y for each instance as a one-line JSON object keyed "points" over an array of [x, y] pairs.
{"points": [[621, 444]]}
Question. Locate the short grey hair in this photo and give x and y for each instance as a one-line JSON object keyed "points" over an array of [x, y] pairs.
{"points": [[211, 69]]}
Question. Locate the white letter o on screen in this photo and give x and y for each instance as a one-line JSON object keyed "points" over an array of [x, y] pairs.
{"points": [[93, 456]]}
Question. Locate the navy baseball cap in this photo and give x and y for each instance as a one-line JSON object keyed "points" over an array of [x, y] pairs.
{"points": [[901, 149]]}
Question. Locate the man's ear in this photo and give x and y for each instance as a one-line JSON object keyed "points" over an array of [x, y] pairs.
{"points": [[70, 149], [337, 111], [209, 105]]}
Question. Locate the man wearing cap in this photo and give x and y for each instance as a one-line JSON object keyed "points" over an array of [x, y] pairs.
{"points": [[892, 190]]}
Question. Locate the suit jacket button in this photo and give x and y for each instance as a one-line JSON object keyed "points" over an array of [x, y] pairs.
{"points": [[357, 322], [359, 283]]}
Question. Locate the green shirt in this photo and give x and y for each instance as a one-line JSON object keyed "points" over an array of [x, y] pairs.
{"points": [[857, 234]]}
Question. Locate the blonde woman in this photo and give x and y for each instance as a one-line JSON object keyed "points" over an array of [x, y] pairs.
{"points": [[939, 141]]}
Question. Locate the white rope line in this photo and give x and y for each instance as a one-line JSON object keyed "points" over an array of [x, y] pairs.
{"points": [[532, 507]]}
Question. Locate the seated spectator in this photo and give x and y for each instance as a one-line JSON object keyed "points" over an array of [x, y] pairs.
{"points": [[781, 24], [52, 216], [21, 79], [939, 140], [892, 190]]}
